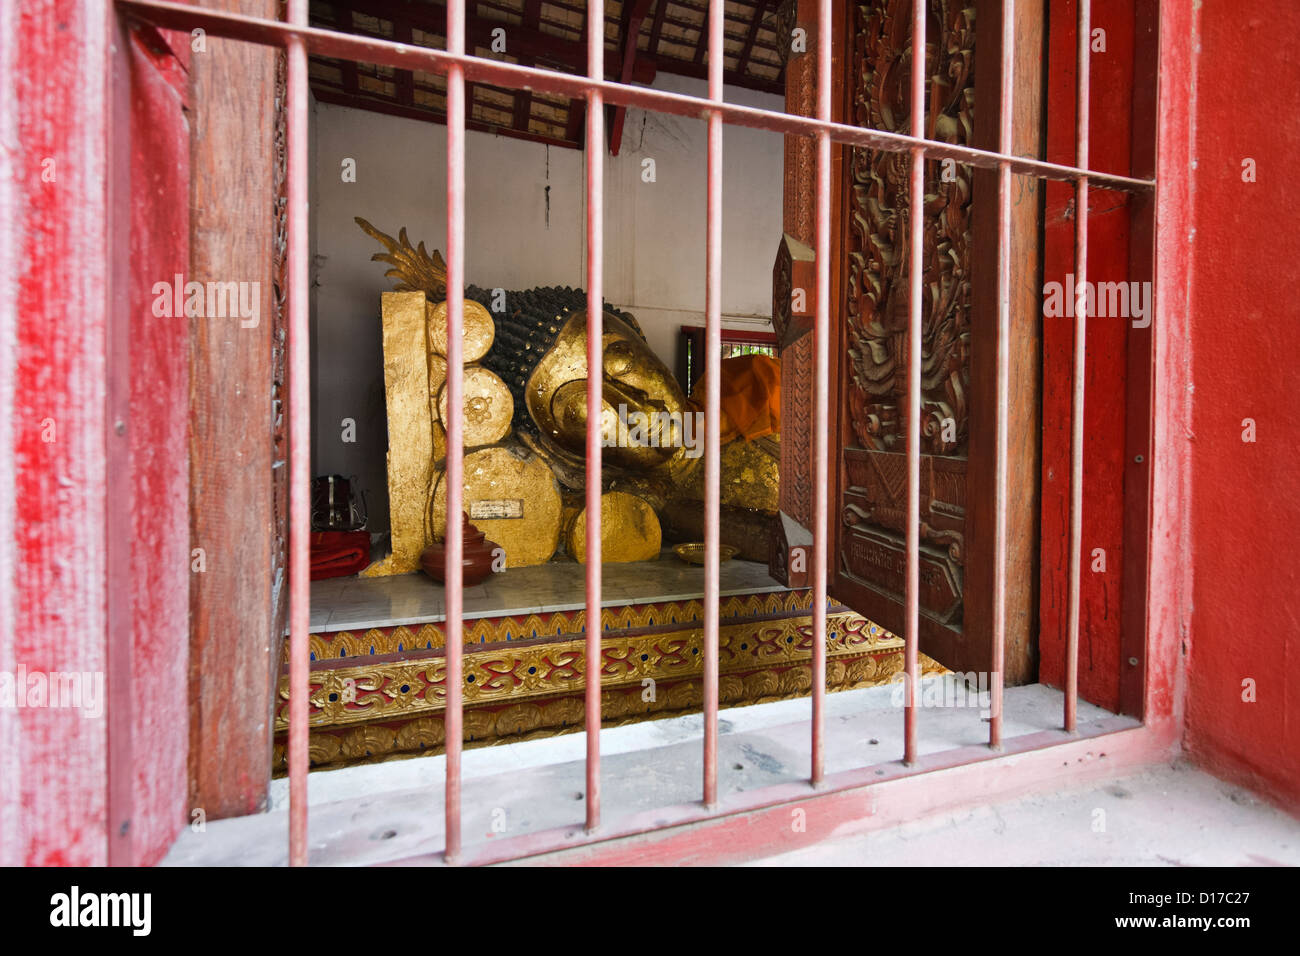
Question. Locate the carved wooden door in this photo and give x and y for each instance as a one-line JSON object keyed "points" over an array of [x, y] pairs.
{"points": [[870, 319]]}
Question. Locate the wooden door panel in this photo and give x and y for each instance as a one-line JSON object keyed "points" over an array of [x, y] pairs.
{"points": [[870, 558], [959, 329]]}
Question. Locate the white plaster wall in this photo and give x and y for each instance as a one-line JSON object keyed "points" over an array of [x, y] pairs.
{"points": [[525, 226]]}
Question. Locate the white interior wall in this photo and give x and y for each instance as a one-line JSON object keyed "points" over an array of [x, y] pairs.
{"points": [[525, 226]]}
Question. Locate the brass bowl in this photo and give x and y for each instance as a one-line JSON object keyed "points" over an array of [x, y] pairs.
{"points": [[693, 553]]}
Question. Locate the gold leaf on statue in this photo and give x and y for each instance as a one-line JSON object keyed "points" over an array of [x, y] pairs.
{"points": [[437, 374], [410, 429], [507, 479], [479, 331], [750, 475], [413, 268], [629, 530], [489, 407]]}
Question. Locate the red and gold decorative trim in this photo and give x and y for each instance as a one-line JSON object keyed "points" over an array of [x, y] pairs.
{"points": [[381, 693]]}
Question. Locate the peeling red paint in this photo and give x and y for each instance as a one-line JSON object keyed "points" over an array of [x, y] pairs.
{"points": [[160, 546], [58, 248]]}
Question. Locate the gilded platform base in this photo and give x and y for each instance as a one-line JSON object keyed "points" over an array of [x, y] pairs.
{"points": [[380, 694]]}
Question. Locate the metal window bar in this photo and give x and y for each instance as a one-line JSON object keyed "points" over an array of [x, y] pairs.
{"points": [[453, 722], [299, 433], [1001, 385], [1080, 330], [916, 266], [298, 39], [595, 312], [712, 408]]}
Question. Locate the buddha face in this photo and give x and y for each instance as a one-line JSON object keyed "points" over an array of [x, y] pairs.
{"points": [[634, 384]]}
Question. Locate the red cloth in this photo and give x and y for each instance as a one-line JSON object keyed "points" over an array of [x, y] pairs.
{"points": [[335, 554]]}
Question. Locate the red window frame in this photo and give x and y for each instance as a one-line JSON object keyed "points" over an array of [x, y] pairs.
{"points": [[296, 38], [692, 344]]}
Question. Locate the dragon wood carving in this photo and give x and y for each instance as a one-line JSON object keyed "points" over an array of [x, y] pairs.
{"points": [[873, 505], [877, 302]]}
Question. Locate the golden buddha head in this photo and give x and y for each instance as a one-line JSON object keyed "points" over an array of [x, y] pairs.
{"points": [[541, 353]]}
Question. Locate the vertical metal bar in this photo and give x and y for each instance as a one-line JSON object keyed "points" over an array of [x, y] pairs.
{"points": [[821, 400], [916, 212], [299, 434], [1002, 388], [1080, 341], [454, 680], [712, 408], [595, 382], [119, 625]]}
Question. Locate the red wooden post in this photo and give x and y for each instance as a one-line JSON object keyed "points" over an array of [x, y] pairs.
{"points": [[54, 265], [92, 445]]}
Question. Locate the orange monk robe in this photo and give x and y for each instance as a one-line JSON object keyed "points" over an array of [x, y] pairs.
{"points": [[751, 397]]}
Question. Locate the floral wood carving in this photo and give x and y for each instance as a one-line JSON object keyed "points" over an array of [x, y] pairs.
{"points": [[878, 253]]}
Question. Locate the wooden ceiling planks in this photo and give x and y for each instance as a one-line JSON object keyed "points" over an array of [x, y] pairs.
{"points": [[642, 38]]}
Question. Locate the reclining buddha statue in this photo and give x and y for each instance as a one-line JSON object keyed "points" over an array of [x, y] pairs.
{"points": [[525, 425]]}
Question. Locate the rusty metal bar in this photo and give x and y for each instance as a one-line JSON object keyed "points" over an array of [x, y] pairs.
{"points": [[453, 719], [1002, 387], [513, 76], [595, 150], [821, 396], [1080, 343], [713, 408], [916, 265], [297, 104]]}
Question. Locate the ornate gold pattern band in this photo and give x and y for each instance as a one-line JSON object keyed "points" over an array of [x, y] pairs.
{"points": [[525, 676]]}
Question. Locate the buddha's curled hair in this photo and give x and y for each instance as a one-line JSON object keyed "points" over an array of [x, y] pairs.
{"points": [[526, 328]]}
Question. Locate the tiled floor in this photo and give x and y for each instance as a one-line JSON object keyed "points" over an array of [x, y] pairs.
{"points": [[345, 603]]}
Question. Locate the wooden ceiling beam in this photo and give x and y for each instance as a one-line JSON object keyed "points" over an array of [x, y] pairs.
{"points": [[657, 29], [742, 65], [631, 34], [543, 48], [403, 80], [343, 19], [524, 98], [526, 43], [577, 128], [337, 97], [703, 25]]}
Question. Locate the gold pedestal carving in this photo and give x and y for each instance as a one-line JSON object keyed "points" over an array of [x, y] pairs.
{"points": [[381, 693]]}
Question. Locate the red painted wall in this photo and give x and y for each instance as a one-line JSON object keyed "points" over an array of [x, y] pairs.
{"points": [[1245, 331]]}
